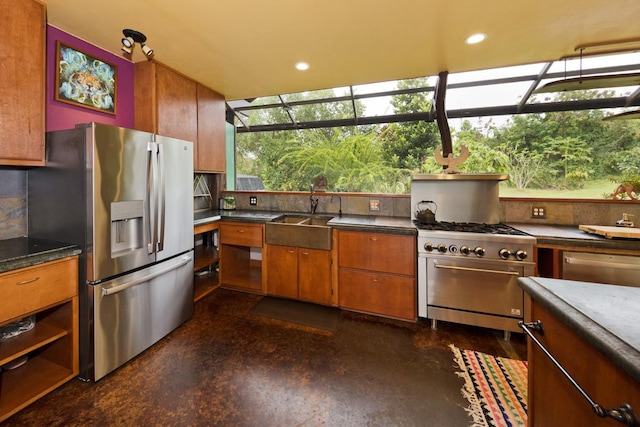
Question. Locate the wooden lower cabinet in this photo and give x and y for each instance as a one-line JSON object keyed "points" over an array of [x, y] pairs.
{"points": [[314, 276], [299, 273], [282, 271], [49, 292], [552, 399], [205, 258], [238, 268], [377, 273], [378, 293]]}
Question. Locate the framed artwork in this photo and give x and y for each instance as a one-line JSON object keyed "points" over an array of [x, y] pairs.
{"points": [[84, 80]]}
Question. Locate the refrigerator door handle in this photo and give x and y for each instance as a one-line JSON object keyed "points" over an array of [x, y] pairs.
{"points": [[111, 291], [152, 149], [161, 197]]}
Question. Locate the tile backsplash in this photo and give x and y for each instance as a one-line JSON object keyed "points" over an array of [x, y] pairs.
{"points": [[13, 206], [559, 212], [13, 203]]}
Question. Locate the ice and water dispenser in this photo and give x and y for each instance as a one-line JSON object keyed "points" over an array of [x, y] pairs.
{"points": [[127, 226]]}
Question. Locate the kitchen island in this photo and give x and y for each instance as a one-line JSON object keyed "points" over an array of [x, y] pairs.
{"points": [[592, 331]]}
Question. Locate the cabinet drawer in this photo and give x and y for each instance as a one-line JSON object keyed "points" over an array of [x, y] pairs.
{"points": [[32, 288], [387, 253], [241, 234], [385, 294]]}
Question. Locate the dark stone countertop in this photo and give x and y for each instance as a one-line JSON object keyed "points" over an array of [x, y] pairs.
{"points": [[378, 224], [206, 216], [23, 252], [249, 215], [571, 235], [606, 316]]}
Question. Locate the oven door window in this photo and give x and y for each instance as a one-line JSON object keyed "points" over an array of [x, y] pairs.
{"points": [[475, 285]]}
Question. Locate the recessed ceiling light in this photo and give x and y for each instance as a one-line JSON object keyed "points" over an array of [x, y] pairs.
{"points": [[302, 66], [475, 38]]}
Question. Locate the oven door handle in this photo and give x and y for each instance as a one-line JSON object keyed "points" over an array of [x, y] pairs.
{"points": [[478, 270]]}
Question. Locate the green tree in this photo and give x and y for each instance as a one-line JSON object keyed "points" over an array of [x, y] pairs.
{"points": [[352, 163], [407, 145], [570, 156], [257, 153]]}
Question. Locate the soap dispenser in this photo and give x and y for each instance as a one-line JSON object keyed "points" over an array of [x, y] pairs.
{"points": [[625, 222]]}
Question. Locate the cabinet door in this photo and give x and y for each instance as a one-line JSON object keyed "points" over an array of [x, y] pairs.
{"points": [[378, 252], [144, 96], [384, 294], [314, 275], [282, 271], [22, 79], [177, 105], [552, 399], [209, 155]]}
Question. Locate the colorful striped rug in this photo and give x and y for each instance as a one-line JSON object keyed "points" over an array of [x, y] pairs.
{"points": [[496, 388]]}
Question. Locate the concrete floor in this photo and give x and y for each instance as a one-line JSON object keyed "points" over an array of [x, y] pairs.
{"points": [[228, 367]]}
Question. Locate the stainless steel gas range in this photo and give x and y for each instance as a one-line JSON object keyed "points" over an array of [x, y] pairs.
{"points": [[467, 273], [468, 263]]}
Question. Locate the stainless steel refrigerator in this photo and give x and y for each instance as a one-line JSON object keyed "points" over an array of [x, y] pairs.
{"points": [[126, 198]]}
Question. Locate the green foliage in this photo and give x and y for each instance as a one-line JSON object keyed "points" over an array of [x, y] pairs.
{"points": [[563, 151], [407, 145]]}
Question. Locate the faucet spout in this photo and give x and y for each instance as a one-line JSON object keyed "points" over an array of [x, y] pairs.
{"points": [[313, 201], [339, 200]]}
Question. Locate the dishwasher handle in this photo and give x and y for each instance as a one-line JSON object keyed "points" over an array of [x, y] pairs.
{"points": [[111, 291], [605, 264]]}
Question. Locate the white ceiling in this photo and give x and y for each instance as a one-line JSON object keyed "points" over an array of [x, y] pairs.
{"points": [[248, 48]]}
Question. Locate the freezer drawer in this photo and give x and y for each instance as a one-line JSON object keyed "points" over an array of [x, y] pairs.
{"points": [[133, 312], [600, 268]]}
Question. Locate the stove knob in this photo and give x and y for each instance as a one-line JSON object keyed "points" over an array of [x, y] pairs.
{"points": [[479, 251], [442, 248], [521, 255], [504, 253], [465, 250], [428, 247]]}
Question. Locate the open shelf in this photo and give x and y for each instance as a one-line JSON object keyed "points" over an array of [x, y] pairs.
{"points": [[26, 384], [204, 256], [41, 335], [51, 346], [204, 285], [248, 279]]}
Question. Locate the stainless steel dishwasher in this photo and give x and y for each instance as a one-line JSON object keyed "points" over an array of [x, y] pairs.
{"points": [[600, 268]]}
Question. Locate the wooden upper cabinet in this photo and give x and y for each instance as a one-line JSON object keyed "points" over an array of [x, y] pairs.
{"points": [[170, 104], [22, 82], [177, 106], [165, 102], [210, 154]]}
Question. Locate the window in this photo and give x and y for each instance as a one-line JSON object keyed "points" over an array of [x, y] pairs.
{"points": [[371, 138]]}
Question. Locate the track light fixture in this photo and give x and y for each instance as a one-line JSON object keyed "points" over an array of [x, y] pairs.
{"points": [[132, 37], [147, 50]]}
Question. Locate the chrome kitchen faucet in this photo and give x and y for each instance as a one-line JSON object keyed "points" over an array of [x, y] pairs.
{"points": [[314, 202]]}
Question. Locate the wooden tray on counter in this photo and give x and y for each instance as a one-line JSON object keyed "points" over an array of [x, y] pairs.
{"points": [[612, 232]]}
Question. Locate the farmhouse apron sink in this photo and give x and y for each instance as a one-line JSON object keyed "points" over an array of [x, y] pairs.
{"points": [[303, 231]]}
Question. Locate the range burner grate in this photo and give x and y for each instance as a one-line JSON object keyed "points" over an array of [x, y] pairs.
{"points": [[470, 227]]}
